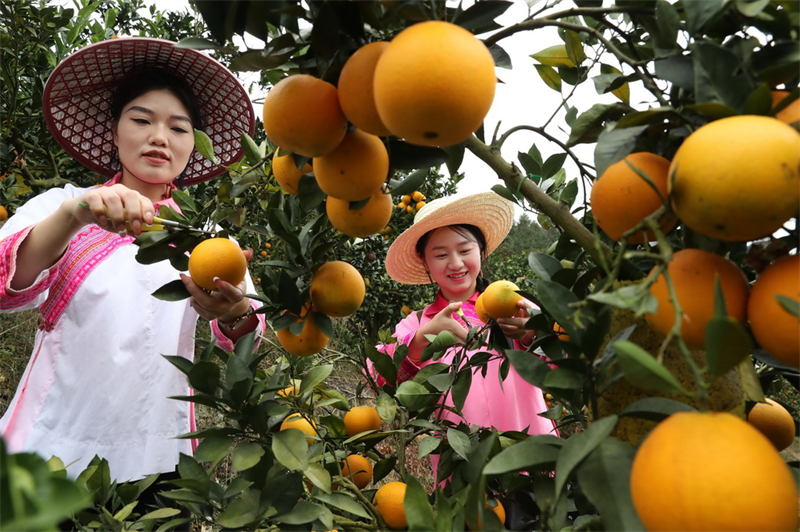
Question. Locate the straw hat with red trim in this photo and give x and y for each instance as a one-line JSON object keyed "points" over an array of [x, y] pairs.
{"points": [[78, 94], [491, 213]]}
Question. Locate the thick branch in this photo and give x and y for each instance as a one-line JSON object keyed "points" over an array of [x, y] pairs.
{"points": [[558, 212]]}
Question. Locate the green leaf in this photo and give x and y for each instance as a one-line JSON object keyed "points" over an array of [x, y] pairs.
{"points": [[419, 512], [563, 379], [528, 454], [553, 164], [573, 47], [642, 370], [699, 12], [383, 363], [555, 299], [668, 21], [604, 477], [291, 449], [413, 396], [387, 408], [461, 388], [204, 377], [319, 476], [161, 513], [172, 291], [315, 376], [530, 367], [792, 306], [554, 56], [204, 146], [344, 502], [727, 344], [751, 8], [213, 449], [578, 447], [246, 455], [589, 124], [544, 265], [305, 512], [427, 445], [655, 408], [459, 442], [410, 184], [614, 145], [550, 77], [441, 343], [405, 156], [252, 152]]}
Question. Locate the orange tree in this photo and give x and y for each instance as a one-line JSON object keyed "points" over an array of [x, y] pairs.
{"points": [[698, 62]]}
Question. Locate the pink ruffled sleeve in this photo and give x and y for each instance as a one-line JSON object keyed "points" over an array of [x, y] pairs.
{"points": [[32, 296], [404, 332]]}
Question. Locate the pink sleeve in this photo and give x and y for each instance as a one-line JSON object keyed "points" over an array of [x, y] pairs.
{"points": [[10, 298], [226, 343]]}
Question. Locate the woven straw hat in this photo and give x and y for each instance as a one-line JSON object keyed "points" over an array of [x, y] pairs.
{"points": [[78, 94], [488, 211]]}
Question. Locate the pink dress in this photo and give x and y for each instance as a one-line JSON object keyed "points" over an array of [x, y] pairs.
{"points": [[512, 405]]}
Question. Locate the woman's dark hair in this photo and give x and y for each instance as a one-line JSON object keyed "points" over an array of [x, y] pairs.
{"points": [[469, 232], [151, 79]]}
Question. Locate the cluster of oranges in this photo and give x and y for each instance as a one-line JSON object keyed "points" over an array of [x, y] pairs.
{"points": [[412, 203], [337, 290], [432, 85]]}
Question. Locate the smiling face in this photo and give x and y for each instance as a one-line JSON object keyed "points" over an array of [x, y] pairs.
{"points": [[154, 137], [453, 260]]}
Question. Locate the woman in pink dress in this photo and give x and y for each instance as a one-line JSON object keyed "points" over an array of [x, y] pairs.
{"points": [[446, 244]]}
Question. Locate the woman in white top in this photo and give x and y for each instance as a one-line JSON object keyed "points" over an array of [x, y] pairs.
{"points": [[97, 382]]}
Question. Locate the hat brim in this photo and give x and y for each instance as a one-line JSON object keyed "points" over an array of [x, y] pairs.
{"points": [[78, 94], [488, 211]]}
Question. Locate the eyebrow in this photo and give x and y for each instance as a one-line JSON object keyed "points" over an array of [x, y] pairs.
{"points": [[463, 242], [150, 112]]}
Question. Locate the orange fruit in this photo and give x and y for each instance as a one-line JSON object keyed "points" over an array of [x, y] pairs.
{"points": [[389, 500], [306, 426], [434, 84], [3, 214], [417, 196], [774, 328], [292, 389], [737, 178], [774, 422], [217, 257], [361, 419], [360, 469], [789, 114], [500, 299], [355, 169], [302, 115], [621, 198], [310, 341], [363, 222], [356, 96], [287, 174], [406, 310], [711, 471], [693, 272], [337, 289], [480, 311], [561, 332], [498, 510]]}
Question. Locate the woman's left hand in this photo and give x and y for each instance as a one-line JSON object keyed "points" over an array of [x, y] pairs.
{"points": [[226, 303], [514, 327]]}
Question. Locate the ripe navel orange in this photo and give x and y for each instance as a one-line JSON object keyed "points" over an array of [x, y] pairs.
{"points": [[292, 389], [711, 471], [310, 341], [297, 421], [561, 332], [621, 198], [774, 422], [498, 510], [287, 174], [356, 96], [500, 299], [355, 169], [434, 84], [789, 114], [337, 289], [389, 500], [363, 222], [480, 310], [693, 272], [3, 214], [361, 419], [737, 178], [775, 328], [302, 115], [217, 257], [360, 469]]}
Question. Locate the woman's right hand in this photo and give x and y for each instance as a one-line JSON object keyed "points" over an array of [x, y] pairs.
{"points": [[444, 321], [110, 207]]}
